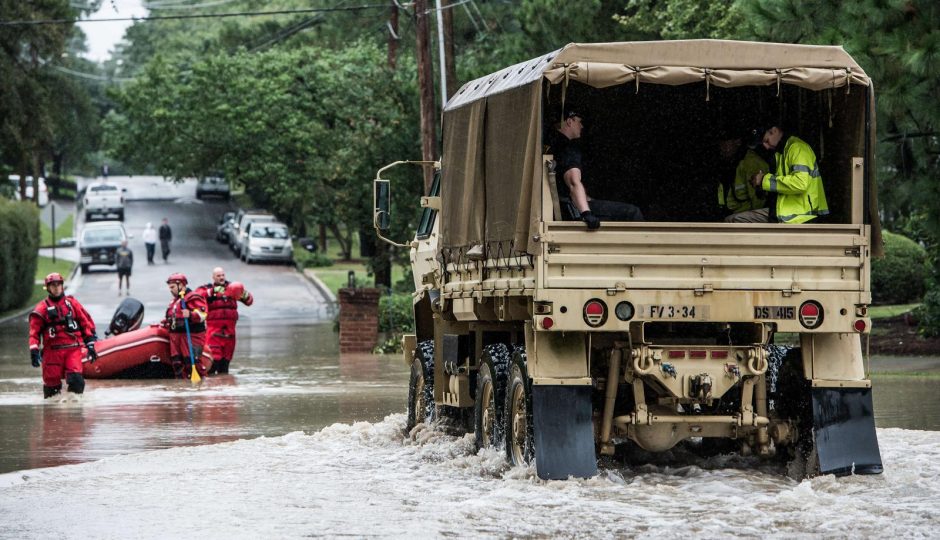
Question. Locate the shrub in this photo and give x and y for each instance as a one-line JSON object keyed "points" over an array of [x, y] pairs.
{"points": [[396, 317], [928, 313], [307, 259], [396, 314], [900, 277], [19, 245]]}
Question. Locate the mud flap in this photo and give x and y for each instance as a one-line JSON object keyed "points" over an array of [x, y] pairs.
{"points": [[844, 429], [563, 432]]}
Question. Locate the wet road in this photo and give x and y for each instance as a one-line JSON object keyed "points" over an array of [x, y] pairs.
{"points": [[287, 374]]}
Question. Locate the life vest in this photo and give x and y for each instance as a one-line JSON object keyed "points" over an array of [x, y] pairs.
{"points": [[196, 305]]}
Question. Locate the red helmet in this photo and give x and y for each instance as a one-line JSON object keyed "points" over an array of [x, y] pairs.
{"points": [[177, 277], [53, 278], [235, 290]]}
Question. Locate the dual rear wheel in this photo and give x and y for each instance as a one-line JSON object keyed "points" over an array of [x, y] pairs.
{"points": [[503, 406]]}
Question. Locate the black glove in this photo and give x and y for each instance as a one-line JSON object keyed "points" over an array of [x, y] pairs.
{"points": [[92, 354], [591, 220], [34, 357]]}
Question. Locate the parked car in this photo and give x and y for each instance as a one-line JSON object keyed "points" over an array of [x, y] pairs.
{"points": [[267, 241], [14, 180], [103, 199], [242, 218], [224, 228], [213, 186], [98, 243]]}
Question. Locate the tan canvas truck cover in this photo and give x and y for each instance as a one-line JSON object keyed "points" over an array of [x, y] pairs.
{"points": [[493, 126]]}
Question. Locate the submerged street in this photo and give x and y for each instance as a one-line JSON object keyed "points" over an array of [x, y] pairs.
{"points": [[298, 438]]}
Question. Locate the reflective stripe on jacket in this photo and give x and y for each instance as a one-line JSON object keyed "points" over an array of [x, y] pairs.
{"points": [[797, 183]]}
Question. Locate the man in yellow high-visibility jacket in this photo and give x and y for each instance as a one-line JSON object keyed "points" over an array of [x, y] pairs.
{"points": [[796, 185], [741, 195]]}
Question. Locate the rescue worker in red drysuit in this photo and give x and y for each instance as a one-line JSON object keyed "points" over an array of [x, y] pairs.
{"points": [[195, 312], [59, 327], [222, 298]]}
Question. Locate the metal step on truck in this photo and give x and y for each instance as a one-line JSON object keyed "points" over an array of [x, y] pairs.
{"points": [[560, 343]]}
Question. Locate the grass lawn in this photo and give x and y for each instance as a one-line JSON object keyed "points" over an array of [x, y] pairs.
{"points": [[337, 276], [63, 229], [881, 312]]}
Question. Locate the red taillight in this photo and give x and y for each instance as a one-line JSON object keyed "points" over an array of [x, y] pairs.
{"points": [[811, 314], [676, 354], [720, 354], [595, 313], [547, 323], [698, 354], [860, 325]]}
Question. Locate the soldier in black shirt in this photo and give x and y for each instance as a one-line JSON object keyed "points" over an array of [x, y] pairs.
{"points": [[563, 145]]}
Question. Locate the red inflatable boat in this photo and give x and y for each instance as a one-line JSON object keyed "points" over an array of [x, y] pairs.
{"points": [[137, 354]]}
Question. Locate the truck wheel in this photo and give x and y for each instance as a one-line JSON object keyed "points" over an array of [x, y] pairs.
{"points": [[84, 268], [421, 386], [792, 400], [120, 215], [517, 421], [88, 216], [490, 396]]}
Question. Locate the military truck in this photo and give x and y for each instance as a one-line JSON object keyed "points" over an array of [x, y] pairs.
{"points": [[560, 344]]}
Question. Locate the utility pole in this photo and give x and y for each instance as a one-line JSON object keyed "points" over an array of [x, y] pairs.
{"points": [[426, 90], [393, 35], [449, 68], [381, 258]]}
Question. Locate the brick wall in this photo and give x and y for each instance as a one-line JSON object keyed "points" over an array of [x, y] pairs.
{"points": [[358, 319]]}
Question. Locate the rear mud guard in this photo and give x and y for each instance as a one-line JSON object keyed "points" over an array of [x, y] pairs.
{"points": [[844, 429], [564, 433]]}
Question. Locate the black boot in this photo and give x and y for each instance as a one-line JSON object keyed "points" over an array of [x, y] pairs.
{"points": [[49, 391], [177, 363], [76, 383], [223, 367], [214, 369]]}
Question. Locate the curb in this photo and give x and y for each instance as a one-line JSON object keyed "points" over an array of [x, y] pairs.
{"points": [[319, 285]]}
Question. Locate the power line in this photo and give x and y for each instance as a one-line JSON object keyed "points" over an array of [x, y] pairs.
{"points": [[196, 16]]}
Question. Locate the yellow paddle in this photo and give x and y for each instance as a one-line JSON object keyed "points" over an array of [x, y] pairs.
{"points": [[194, 374]]}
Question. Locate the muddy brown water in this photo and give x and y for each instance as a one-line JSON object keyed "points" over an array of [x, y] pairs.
{"points": [[285, 379]]}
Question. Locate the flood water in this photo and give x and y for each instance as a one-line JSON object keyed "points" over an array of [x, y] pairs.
{"points": [[300, 441], [284, 379]]}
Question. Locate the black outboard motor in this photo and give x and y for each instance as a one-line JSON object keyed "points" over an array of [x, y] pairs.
{"points": [[127, 317]]}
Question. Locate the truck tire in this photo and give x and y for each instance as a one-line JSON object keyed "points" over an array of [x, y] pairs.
{"points": [[490, 396], [120, 215], [517, 418], [84, 268], [792, 399], [88, 216], [421, 386]]}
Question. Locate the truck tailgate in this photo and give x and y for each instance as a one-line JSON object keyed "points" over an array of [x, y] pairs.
{"points": [[715, 256]]}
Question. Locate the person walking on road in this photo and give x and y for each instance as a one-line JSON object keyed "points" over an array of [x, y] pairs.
{"points": [[58, 328], [124, 259], [166, 235], [222, 298], [150, 241], [175, 322]]}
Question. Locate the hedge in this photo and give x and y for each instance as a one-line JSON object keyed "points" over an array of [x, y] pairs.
{"points": [[19, 249], [900, 277]]}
